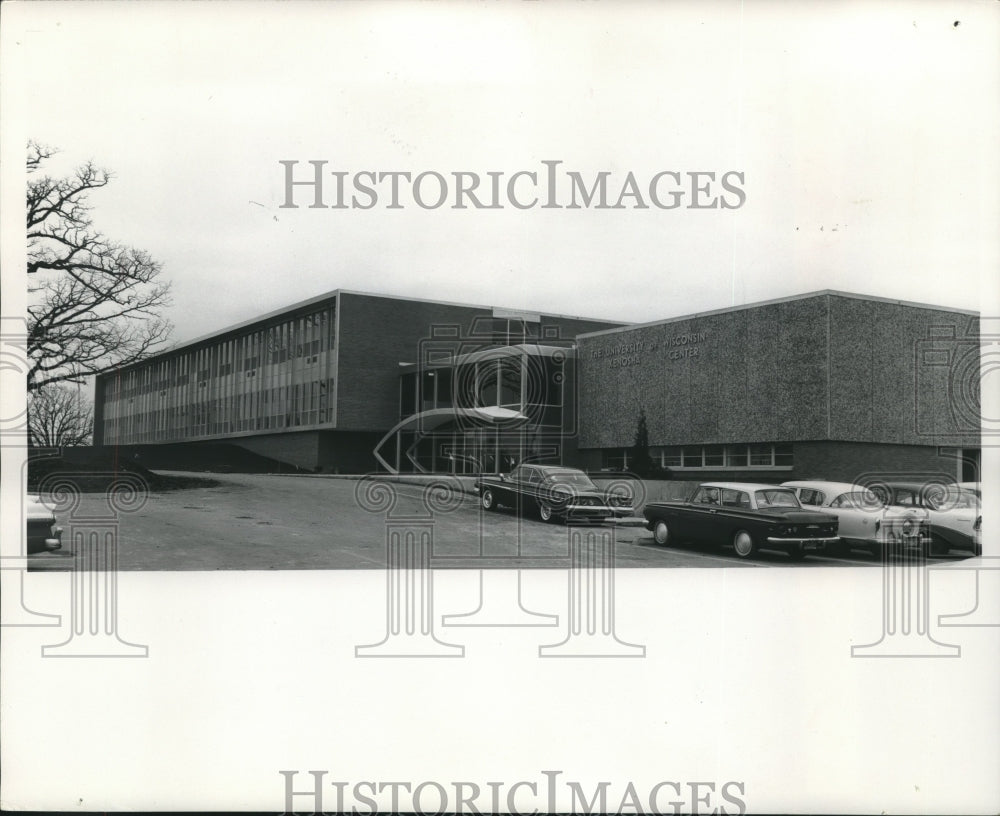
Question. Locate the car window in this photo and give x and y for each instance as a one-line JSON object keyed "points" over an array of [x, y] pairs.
{"points": [[940, 499], [905, 498], [776, 498], [735, 498], [575, 478], [810, 496], [532, 476], [858, 499], [707, 495]]}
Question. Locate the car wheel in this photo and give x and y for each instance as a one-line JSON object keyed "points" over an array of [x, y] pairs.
{"points": [[661, 533], [488, 500], [545, 512], [939, 546], [744, 544]]}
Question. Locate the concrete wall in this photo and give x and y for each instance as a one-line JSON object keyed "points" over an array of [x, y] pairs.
{"points": [[821, 367], [850, 461], [376, 335], [884, 388], [753, 375], [296, 448]]}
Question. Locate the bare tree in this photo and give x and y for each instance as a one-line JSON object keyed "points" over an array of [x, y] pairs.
{"points": [[94, 303], [58, 416]]}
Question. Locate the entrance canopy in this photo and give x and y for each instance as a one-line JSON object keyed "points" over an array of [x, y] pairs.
{"points": [[426, 421]]}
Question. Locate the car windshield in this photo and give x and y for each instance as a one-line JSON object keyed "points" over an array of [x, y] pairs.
{"points": [[860, 499], [952, 500], [776, 498], [574, 478]]}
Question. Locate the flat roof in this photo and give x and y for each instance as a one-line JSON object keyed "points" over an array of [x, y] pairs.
{"points": [[789, 299], [333, 295]]}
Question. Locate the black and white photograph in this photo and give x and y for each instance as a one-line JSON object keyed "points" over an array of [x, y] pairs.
{"points": [[500, 407]]}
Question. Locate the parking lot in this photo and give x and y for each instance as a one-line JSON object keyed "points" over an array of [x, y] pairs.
{"points": [[281, 522]]}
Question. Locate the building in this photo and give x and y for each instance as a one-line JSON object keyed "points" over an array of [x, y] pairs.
{"points": [[826, 385], [823, 385], [316, 385]]}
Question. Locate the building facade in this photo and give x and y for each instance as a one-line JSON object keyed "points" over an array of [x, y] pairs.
{"points": [[317, 385], [825, 385]]}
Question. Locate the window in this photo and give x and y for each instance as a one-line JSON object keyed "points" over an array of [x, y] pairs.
{"points": [[735, 498], [671, 457], [812, 497], [776, 498], [732, 457], [614, 459], [692, 457], [736, 456], [707, 495], [714, 456]]}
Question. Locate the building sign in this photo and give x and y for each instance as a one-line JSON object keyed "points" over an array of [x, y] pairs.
{"points": [[677, 347]]}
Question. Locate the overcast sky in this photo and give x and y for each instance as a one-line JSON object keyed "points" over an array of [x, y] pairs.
{"points": [[867, 135]]}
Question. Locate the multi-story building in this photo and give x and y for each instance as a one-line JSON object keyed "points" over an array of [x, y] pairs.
{"points": [[316, 385], [824, 385]]}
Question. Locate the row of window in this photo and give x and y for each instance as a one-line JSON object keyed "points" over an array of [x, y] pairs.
{"points": [[708, 457], [284, 406], [300, 338]]}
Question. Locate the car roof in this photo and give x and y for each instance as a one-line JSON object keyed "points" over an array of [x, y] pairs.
{"points": [[829, 487], [743, 486], [922, 485]]}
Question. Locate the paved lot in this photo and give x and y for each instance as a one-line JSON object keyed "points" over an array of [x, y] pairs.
{"points": [[266, 521]]}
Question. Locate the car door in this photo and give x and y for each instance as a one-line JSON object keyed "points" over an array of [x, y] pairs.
{"points": [[856, 522], [512, 486], [529, 488], [703, 519]]}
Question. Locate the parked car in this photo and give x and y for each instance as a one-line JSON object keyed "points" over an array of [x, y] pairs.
{"points": [[954, 513], [554, 492], [973, 487], [866, 522], [750, 517], [44, 535]]}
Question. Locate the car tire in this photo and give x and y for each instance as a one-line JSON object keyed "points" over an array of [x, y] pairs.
{"points": [[661, 534], [488, 500], [744, 544], [939, 547], [545, 512]]}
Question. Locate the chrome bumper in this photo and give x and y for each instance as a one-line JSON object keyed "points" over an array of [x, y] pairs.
{"points": [[819, 542]]}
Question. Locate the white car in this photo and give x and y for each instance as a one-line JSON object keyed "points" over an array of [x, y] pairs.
{"points": [[954, 513], [866, 522], [44, 535]]}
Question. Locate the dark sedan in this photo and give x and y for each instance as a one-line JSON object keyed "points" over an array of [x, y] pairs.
{"points": [[555, 493], [750, 517]]}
